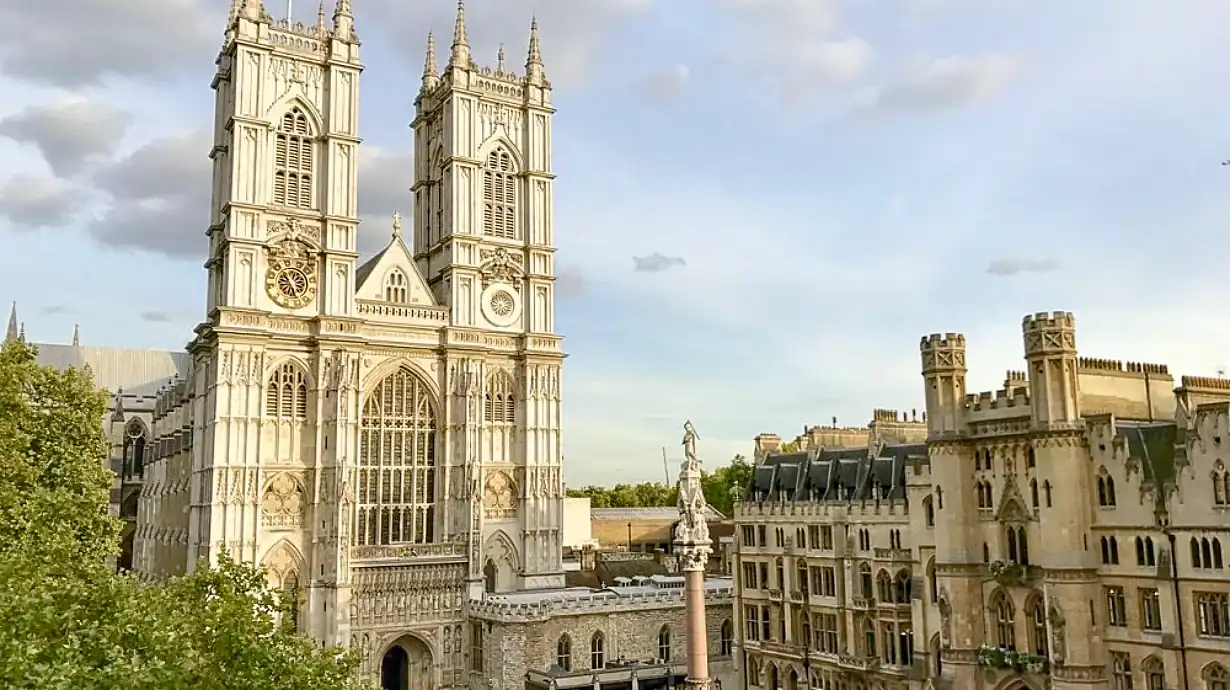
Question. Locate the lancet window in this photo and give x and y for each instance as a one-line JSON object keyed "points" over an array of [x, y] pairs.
{"points": [[500, 195], [294, 161]]}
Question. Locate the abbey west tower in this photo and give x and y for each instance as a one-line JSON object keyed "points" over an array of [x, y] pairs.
{"points": [[280, 308], [483, 241], [377, 433]]}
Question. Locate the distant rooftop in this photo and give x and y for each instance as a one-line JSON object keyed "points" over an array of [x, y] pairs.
{"points": [[657, 513]]}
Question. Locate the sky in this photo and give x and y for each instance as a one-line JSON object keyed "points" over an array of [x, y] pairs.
{"points": [[761, 205]]}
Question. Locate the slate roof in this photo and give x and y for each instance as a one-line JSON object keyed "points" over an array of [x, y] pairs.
{"points": [[1157, 446], [840, 475], [139, 373]]}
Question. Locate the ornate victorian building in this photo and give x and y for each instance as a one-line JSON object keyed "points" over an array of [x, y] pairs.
{"points": [[1066, 531], [383, 437]]}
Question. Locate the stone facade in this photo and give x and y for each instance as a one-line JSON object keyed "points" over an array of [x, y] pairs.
{"points": [[1066, 531], [382, 437]]}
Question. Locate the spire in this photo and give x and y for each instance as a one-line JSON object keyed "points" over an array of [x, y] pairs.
{"points": [[12, 333], [21, 336], [431, 76], [320, 18], [76, 335], [460, 57], [533, 60], [499, 60], [343, 21]]}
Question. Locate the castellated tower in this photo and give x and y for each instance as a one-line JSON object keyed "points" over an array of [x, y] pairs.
{"points": [[958, 556], [1061, 456]]}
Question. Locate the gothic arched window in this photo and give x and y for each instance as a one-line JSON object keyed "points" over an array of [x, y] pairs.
{"points": [[597, 651], [286, 393], [500, 195], [1155, 673], [136, 440], [563, 653], [501, 401], [1106, 489], [727, 647], [1038, 642], [396, 287], [1005, 620], [664, 643], [397, 463], [928, 512], [294, 161]]}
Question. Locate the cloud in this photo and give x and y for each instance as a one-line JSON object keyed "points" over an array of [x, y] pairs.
{"points": [[929, 85], [805, 42], [656, 263], [159, 198], [666, 85], [569, 283], [157, 316], [574, 32], [384, 189], [1011, 267], [56, 309], [68, 134], [35, 202], [70, 43]]}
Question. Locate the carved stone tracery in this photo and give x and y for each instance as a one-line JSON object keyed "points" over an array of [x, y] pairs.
{"points": [[283, 504], [499, 497]]}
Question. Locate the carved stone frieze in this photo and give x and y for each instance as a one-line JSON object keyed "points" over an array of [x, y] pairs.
{"points": [[401, 595]]}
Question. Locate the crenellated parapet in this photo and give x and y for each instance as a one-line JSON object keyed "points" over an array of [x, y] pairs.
{"points": [[943, 352], [1005, 398], [1049, 334], [665, 592]]}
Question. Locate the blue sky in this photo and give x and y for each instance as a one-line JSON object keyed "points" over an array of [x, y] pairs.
{"points": [[839, 178]]}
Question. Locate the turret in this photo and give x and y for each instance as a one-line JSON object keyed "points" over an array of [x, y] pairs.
{"points": [[1050, 351], [943, 370], [535, 74], [459, 56]]}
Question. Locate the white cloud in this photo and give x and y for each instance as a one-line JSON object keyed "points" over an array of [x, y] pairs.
{"points": [[930, 84], [69, 133], [38, 201]]}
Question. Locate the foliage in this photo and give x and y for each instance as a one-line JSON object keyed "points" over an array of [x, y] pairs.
{"points": [[790, 447], [720, 488], [995, 657], [69, 620]]}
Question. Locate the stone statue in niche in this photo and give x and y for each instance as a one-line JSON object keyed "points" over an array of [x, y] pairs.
{"points": [[945, 620]]}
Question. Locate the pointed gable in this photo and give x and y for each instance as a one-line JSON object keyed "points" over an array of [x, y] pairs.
{"points": [[391, 276]]}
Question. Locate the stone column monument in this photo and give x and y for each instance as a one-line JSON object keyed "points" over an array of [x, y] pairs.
{"points": [[693, 546]]}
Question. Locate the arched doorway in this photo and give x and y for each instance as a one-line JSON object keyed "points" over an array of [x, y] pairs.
{"points": [[490, 572], [407, 666]]}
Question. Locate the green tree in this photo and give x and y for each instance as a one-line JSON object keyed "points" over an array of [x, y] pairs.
{"points": [[725, 483], [69, 621]]}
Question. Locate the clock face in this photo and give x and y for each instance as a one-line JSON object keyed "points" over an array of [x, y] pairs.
{"points": [[292, 283], [292, 287]]}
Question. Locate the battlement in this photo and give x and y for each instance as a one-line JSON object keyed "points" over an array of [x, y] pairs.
{"points": [[531, 606], [945, 341], [1147, 368], [1042, 321], [1205, 382], [1013, 376], [993, 400]]}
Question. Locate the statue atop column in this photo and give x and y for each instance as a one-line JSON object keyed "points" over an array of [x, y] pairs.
{"points": [[692, 532], [693, 546]]}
